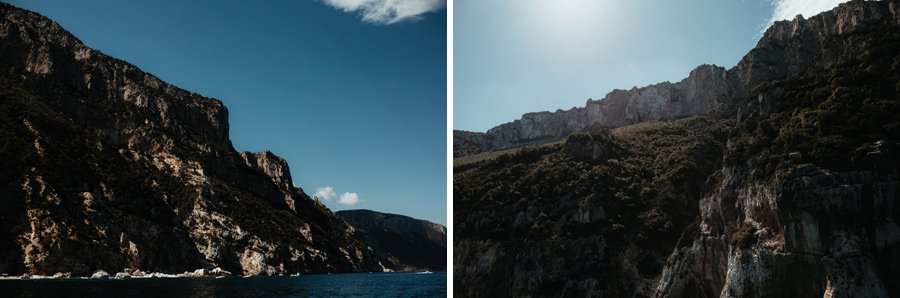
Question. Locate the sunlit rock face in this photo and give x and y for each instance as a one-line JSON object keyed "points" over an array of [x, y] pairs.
{"points": [[106, 167]]}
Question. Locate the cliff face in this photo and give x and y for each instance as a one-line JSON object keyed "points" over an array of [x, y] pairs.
{"points": [[809, 208], [788, 189], [402, 243], [702, 91], [807, 232], [107, 167]]}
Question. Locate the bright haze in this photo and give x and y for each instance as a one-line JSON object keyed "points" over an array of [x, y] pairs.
{"points": [[517, 56], [352, 93]]}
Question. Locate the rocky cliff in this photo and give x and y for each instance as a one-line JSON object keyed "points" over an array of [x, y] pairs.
{"points": [[403, 243], [788, 188], [704, 90], [106, 167]]}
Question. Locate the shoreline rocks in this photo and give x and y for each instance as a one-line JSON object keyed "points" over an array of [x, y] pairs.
{"points": [[128, 274], [100, 275]]}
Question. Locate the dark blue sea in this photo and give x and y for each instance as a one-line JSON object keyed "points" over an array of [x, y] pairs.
{"points": [[319, 285]]}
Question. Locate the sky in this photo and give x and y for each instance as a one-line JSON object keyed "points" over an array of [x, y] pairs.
{"points": [[517, 56], [352, 93]]}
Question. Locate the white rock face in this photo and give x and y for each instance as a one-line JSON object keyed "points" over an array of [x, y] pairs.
{"points": [[806, 236], [219, 272], [100, 275], [705, 89]]}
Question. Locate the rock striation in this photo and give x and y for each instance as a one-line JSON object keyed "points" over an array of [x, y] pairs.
{"points": [[401, 242], [107, 168]]}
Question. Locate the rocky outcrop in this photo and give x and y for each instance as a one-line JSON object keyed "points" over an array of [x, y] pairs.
{"points": [[467, 143], [704, 90], [403, 243], [808, 232], [791, 47], [823, 222], [106, 167], [275, 168]]}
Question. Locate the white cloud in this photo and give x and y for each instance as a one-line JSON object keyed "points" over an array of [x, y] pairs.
{"points": [[788, 9], [349, 199], [388, 11], [325, 193]]}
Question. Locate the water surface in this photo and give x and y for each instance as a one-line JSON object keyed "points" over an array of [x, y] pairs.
{"points": [[319, 285]]}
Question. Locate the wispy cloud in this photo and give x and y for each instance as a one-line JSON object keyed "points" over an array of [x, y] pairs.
{"points": [[788, 9], [349, 199], [388, 11], [325, 193]]}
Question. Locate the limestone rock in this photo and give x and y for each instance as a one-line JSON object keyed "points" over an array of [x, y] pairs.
{"points": [[62, 275], [219, 272], [704, 90], [100, 274]]}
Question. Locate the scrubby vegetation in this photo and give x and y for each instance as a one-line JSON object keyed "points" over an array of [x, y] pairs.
{"points": [[829, 116], [647, 178]]}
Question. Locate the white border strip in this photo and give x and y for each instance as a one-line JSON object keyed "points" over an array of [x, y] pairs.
{"points": [[449, 148]]}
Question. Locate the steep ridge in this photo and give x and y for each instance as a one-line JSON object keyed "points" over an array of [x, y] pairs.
{"points": [[806, 204], [788, 188], [403, 243], [107, 167]]}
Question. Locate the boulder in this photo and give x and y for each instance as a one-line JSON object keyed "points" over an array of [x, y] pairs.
{"points": [[219, 272], [100, 274], [62, 275]]}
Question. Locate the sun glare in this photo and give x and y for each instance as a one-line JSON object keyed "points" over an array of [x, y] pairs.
{"points": [[568, 27]]}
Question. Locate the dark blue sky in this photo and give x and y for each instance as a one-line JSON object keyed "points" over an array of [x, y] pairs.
{"points": [[355, 106]]}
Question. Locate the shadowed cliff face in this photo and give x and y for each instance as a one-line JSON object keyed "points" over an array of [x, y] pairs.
{"points": [[789, 188], [107, 167], [402, 243]]}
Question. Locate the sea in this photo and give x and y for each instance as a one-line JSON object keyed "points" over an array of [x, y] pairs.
{"points": [[421, 284]]}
